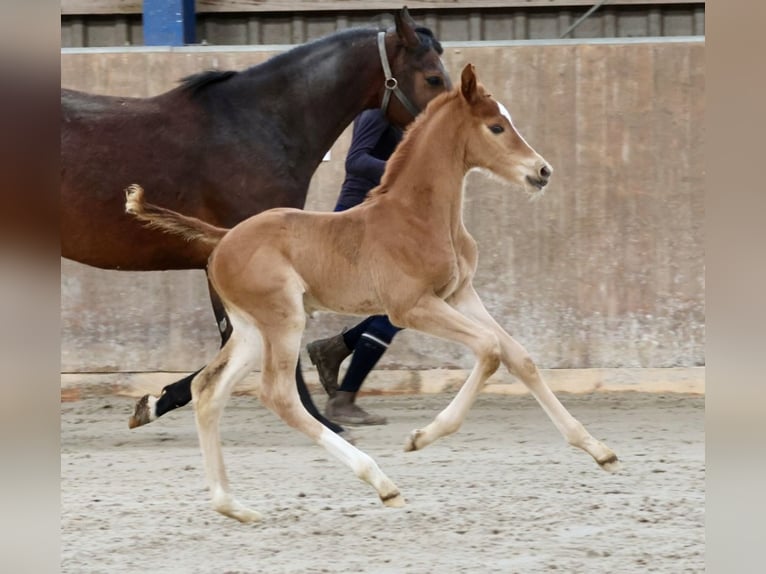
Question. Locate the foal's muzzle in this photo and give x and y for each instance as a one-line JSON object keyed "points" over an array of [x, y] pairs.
{"points": [[544, 172]]}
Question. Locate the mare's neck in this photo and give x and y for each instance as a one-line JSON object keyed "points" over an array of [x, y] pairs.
{"points": [[315, 90]]}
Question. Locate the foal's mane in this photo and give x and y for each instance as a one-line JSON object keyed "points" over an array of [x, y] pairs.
{"points": [[396, 162]]}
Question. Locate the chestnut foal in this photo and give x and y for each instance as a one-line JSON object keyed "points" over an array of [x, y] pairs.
{"points": [[404, 252]]}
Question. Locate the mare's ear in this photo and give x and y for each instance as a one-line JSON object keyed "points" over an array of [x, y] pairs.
{"points": [[468, 85], [405, 28]]}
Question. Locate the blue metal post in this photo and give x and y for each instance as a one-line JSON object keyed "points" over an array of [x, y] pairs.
{"points": [[169, 22]]}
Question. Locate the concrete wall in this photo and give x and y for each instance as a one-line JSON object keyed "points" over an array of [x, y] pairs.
{"points": [[606, 271]]}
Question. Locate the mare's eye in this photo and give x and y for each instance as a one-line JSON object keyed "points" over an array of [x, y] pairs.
{"points": [[496, 129], [434, 81]]}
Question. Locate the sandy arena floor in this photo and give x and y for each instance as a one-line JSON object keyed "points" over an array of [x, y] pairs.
{"points": [[505, 494]]}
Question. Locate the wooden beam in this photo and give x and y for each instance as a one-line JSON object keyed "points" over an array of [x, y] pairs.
{"points": [[80, 7], [169, 22]]}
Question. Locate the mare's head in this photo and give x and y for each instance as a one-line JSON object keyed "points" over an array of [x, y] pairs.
{"points": [[417, 66], [492, 141]]}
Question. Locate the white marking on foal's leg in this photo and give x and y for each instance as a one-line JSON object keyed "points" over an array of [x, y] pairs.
{"points": [[571, 429], [451, 418], [227, 505], [363, 466], [602, 454], [211, 389], [520, 364]]}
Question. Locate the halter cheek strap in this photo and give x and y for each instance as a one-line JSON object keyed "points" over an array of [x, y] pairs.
{"points": [[391, 84]]}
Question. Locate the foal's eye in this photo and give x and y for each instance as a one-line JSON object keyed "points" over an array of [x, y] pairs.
{"points": [[434, 81], [496, 129]]}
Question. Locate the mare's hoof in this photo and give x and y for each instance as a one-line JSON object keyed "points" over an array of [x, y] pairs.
{"points": [[144, 412]]}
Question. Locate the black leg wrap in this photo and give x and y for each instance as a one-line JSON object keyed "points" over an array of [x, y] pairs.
{"points": [[221, 318], [308, 402], [175, 395]]}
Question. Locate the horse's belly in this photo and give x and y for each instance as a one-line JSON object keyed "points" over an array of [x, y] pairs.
{"points": [[342, 302]]}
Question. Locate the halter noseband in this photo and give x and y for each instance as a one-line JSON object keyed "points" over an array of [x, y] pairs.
{"points": [[391, 84]]}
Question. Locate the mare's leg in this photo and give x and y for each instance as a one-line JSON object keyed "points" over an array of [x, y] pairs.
{"points": [[282, 340], [520, 364], [308, 402], [179, 394], [435, 317], [211, 390]]}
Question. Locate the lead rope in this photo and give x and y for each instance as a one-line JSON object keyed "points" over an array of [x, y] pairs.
{"points": [[391, 84]]}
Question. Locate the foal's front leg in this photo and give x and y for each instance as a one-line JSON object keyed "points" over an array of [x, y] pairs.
{"points": [[517, 360], [435, 317]]}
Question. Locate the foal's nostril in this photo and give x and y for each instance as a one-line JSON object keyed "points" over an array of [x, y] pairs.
{"points": [[545, 172]]}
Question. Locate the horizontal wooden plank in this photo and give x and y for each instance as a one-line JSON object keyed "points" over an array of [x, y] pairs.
{"points": [[80, 7]]}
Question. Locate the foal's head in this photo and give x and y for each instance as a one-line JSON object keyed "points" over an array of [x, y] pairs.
{"points": [[492, 142], [417, 66]]}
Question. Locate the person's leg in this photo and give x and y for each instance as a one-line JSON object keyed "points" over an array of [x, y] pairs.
{"points": [[328, 354], [370, 346]]}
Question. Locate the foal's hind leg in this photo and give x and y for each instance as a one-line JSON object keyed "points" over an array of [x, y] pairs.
{"points": [[520, 364], [282, 341], [178, 394], [211, 389]]}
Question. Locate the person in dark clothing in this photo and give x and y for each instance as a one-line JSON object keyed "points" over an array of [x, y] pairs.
{"points": [[374, 140]]}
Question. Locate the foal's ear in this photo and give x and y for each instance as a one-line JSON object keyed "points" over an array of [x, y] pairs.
{"points": [[405, 28], [468, 85]]}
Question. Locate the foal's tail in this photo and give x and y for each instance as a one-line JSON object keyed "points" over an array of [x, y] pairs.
{"points": [[156, 217]]}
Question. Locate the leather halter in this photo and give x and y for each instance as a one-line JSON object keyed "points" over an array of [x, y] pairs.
{"points": [[391, 84]]}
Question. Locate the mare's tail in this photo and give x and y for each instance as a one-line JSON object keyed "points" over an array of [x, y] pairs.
{"points": [[156, 217]]}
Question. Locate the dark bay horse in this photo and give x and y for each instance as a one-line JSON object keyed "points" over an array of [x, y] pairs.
{"points": [[225, 145], [404, 252]]}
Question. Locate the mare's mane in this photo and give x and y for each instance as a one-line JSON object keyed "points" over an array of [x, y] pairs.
{"points": [[198, 83], [195, 83]]}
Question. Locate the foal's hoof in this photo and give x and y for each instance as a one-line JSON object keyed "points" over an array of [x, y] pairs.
{"points": [[610, 464], [238, 512], [413, 442], [144, 412], [245, 515], [394, 500]]}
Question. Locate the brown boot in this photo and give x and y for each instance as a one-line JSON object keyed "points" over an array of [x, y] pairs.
{"points": [[342, 409], [327, 355]]}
